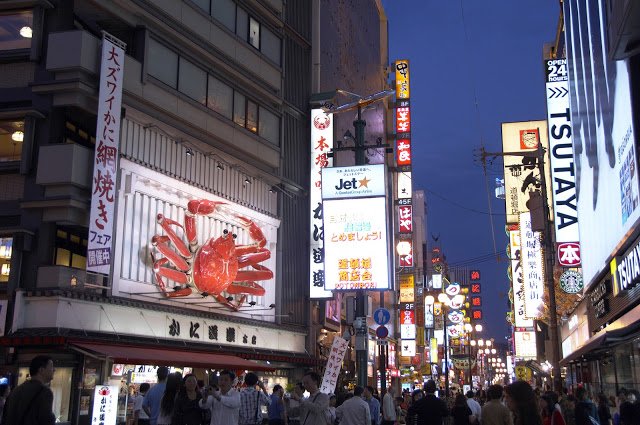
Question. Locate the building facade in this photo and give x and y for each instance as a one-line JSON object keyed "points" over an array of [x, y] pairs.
{"points": [[213, 130]]}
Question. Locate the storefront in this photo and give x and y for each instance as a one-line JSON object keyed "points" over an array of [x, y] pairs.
{"points": [[609, 358]]}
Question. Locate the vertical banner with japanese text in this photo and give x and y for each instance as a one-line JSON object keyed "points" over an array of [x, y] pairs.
{"points": [[105, 404], [334, 363], [321, 145], [105, 166], [532, 268]]}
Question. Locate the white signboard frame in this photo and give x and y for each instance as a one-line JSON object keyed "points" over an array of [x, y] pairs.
{"points": [[105, 405], [353, 182], [517, 276], [525, 343], [531, 267]]}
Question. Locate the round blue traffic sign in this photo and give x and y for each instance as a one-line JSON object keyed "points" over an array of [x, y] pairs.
{"points": [[382, 332], [381, 316]]}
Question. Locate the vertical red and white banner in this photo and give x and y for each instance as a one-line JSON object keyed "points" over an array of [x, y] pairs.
{"points": [[334, 363], [321, 145], [105, 404], [105, 165]]}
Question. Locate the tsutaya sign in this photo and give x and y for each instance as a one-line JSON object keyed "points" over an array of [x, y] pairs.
{"points": [[105, 170], [321, 144], [626, 270], [563, 170]]}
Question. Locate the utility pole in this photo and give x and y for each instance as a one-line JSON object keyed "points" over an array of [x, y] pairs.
{"points": [[548, 254], [359, 148]]}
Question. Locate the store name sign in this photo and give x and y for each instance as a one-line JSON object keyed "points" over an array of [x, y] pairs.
{"points": [[625, 270], [599, 300], [353, 182], [105, 405]]}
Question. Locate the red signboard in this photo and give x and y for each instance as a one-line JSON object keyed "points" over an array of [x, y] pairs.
{"points": [[475, 288], [475, 275], [406, 260], [403, 120], [403, 152], [476, 314], [405, 218], [476, 301], [569, 254], [408, 317]]}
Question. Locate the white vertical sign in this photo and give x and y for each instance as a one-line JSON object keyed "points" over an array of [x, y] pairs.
{"points": [[321, 145], [531, 256], [105, 165], [563, 171], [334, 363], [517, 280], [105, 405]]}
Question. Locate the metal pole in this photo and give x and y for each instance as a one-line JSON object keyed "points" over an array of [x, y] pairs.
{"points": [[362, 334], [446, 352], [383, 359], [549, 257], [469, 344]]}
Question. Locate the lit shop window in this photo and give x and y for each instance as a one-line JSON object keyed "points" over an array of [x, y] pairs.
{"points": [[11, 139], [71, 249], [16, 29], [6, 247], [61, 388]]}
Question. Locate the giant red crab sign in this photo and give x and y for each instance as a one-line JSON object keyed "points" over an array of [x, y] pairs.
{"points": [[214, 266]]}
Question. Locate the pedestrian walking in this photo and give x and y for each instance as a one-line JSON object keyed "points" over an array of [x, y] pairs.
{"points": [[389, 415], [430, 410], [140, 417], [168, 400], [31, 403], [223, 401], [292, 404], [604, 413], [354, 411], [521, 400], [252, 399], [151, 403], [586, 410], [4, 393], [550, 411], [187, 409], [461, 412], [475, 407], [276, 408], [312, 410], [493, 411], [374, 405]]}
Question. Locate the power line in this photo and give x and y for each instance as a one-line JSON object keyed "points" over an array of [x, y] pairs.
{"points": [[460, 205]]}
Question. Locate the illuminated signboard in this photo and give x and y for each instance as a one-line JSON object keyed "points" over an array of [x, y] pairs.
{"points": [[403, 152], [408, 348], [355, 235], [403, 120], [521, 173], [408, 331], [525, 343], [531, 255], [434, 350], [404, 185], [436, 280], [105, 162], [407, 289], [428, 316], [561, 152], [517, 281], [105, 404], [476, 314], [407, 317], [402, 79], [474, 275], [406, 260], [476, 301], [353, 182], [405, 218], [476, 288], [321, 145]]}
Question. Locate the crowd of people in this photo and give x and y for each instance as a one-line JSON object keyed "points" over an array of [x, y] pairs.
{"points": [[183, 400]]}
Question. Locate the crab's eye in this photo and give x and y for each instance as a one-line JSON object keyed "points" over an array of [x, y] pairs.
{"points": [[225, 231], [235, 236]]}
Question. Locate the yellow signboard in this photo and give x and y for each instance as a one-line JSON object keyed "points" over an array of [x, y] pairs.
{"points": [[523, 373], [402, 79], [407, 289], [434, 350]]}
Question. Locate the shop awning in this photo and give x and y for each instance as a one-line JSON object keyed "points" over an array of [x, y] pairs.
{"points": [[131, 354]]}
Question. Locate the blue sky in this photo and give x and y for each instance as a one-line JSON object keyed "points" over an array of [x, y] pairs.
{"points": [[494, 55]]}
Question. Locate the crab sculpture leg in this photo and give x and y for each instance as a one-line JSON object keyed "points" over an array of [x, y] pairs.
{"points": [[177, 259], [248, 255]]}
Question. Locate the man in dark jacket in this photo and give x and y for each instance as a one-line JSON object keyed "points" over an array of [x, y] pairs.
{"points": [[429, 409], [32, 402], [586, 411]]}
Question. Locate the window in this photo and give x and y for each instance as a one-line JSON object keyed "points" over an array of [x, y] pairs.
{"points": [[239, 109], [254, 33], [220, 97], [11, 139], [192, 81], [6, 248], [225, 12], [162, 63], [269, 126], [252, 116], [16, 30], [71, 249], [270, 45], [242, 23], [61, 388], [203, 4]]}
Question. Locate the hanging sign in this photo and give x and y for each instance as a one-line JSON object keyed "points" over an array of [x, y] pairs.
{"points": [[334, 363], [105, 405]]}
